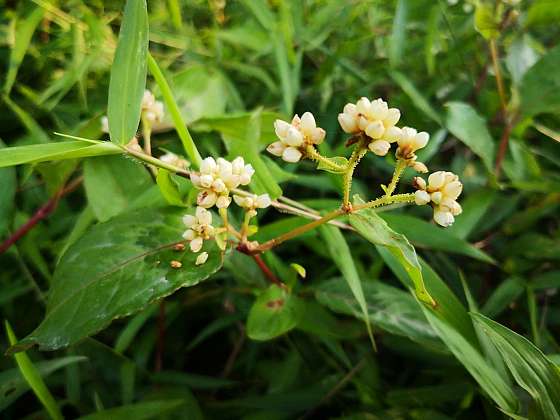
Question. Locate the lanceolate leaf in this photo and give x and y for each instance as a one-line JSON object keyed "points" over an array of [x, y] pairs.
{"points": [[340, 253], [468, 126], [114, 270], [128, 74], [375, 229], [532, 370]]}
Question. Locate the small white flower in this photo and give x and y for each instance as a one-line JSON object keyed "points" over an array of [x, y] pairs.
{"points": [[217, 178], [152, 109], [295, 136], [410, 141], [175, 160], [199, 228], [442, 190], [104, 124], [253, 202], [202, 258]]}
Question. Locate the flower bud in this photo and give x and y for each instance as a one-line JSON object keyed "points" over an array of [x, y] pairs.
{"points": [[379, 147], [202, 258], [421, 197]]}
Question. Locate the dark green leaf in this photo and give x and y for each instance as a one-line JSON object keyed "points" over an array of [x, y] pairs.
{"points": [[375, 229], [468, 126], [540, 85], [117, 268], [139, 411]]}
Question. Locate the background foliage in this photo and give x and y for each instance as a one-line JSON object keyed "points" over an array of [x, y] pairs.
{"points": [[215, 350]]}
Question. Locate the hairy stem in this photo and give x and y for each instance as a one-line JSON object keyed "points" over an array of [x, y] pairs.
{"points": [[357, 155], [399, 169], [296, 232], [315, 156], [385, 201]]}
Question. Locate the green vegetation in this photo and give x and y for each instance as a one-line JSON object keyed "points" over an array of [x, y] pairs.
{"points": [[174, 244]]}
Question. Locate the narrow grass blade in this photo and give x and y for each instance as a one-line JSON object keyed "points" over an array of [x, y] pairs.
{"points": [[33, 378], [180, 126]]}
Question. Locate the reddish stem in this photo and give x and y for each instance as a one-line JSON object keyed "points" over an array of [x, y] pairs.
{"points": [[40, 214], [267, 272], [502, 149]]}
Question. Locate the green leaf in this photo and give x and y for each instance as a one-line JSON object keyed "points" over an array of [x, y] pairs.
{"points": [[426, 235], [24, 29], [8, 184], [33, 378], [372, 227], [128, 73], [342, 257], [169, 188], [188, 143], [416, 96], [116, 269], [13, 384], [139, 411], [531, 369], [275, 312], [486, 21], [468, 126], [398, 33], [388, 308], [337, 160], [485, 374], [112, 183], [475, 206], [504, 295], [540, 84], [11, 156]]}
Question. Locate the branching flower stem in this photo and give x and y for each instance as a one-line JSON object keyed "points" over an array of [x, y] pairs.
{"points": [[359, 151], [315, 156], [399, 169]]}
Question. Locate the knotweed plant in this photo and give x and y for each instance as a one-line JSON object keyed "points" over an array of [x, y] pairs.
{"points": [[373, 129]]}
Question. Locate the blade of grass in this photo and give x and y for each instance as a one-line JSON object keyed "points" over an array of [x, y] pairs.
{"points": [[180, 126], [33, 378], [128, 73]]}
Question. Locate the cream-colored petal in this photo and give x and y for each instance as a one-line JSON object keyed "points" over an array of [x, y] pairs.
{"points": [[393, 117], [436, 180], [189, 234], [202, 258], [223, 201], [294, 137], [392, 134], [318, 135], [189, 220], [379, 147], [375, 130], [208, 166], [196, 244], [443, 218], [437, 197], [421, 197], [281, 128], [291, 154], [453, 190], [421, 140], [204, 216], [263, 201], [276, 148], [237, 165], [379, 109], [308, 124], [206, 198], [348, 123]]}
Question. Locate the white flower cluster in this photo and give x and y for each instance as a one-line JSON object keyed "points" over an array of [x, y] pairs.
{"points": [[217, 178], [152, 109], [378, 122], [295, 137], [442, 191], [199, 228], [375, 119]]}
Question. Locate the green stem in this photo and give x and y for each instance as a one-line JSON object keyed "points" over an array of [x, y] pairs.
{"points": [[385, 201], [147, 135], [355, 158], [315, 156], [153, 161], [298, 231], [399, 169]]}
